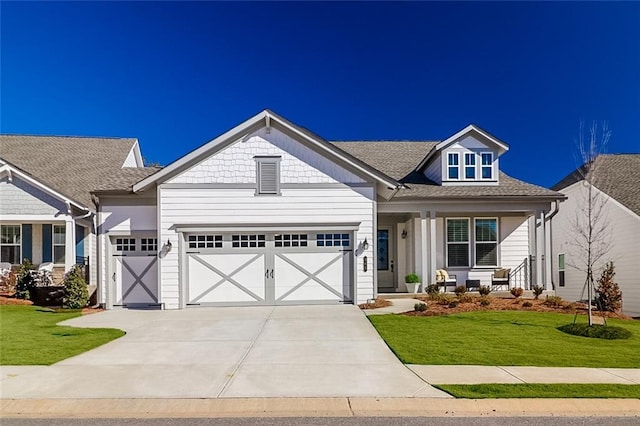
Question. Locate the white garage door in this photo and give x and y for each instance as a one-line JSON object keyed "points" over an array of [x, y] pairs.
{"points": [[135, 271], [269, 268]]}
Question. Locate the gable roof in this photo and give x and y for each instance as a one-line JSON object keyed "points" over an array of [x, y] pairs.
{"points": [[265, 118], [72, 166], [620, 179], [401, 160]]}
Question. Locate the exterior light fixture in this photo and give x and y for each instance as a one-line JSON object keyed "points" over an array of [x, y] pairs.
{"points": [[365, 244], [404, 234]]}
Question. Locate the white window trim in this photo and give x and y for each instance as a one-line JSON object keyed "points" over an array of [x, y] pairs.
{"points": [[268, 159], [457, 154], [491, 166], [474, 166], [54, 245], [446, 240], [497, 242], [19, 225], [563, 269]]}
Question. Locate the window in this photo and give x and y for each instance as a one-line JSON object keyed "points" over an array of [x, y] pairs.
{"points": [[205, 241], [125, 244], [561, 269], [268, 175], [248, 240], [453, 161], [10, 244], [469, 165], [486, 242], [333, 240], [59, 242], [291, 240], [457, 242], [148, 244], [486, 165]]}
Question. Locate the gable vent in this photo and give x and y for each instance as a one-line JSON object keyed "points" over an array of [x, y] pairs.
{"points": [[268, 175]]}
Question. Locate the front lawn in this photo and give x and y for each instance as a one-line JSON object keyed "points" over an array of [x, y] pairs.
{"points": [[504, 338], [29, 336], [538, 390]]}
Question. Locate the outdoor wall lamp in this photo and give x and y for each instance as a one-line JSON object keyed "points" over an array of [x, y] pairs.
{"points": [[404, 234], [365, 244], [167, 246]]}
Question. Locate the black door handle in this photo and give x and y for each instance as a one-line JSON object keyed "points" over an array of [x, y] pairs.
{"points": [[272, 273]]}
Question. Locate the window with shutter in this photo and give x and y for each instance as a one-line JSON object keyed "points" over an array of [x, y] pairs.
{"points": [[268, 175]]}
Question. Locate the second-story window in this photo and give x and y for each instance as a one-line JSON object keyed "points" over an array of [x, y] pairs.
{"points": [[469, 165], [453, 163], [486, 165]]}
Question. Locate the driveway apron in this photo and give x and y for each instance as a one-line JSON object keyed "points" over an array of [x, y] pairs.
{"points": [[285, 351]]}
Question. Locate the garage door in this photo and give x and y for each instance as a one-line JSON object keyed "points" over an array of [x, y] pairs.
{"points": [[269, 268], [135, 271]]}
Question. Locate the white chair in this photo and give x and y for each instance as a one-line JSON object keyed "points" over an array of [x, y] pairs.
{"points": [[47, 266], [5, 269]]}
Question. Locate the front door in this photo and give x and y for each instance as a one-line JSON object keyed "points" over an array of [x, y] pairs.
{"points": [[385, 260]]}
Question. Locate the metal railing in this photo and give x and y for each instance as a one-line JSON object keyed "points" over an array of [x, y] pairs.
{"points": [[521, 275], [83, 263]]}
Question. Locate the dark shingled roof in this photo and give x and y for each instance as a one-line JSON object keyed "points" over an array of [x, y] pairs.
{"points": [[400, 159], [618, 176], [73, 166]]}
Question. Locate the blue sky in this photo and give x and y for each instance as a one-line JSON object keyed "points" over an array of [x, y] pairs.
{"points": [[175, 75]]}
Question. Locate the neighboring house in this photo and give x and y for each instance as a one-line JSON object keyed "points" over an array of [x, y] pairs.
{"points": [[618, 180], [270, 213], [46, 209]]}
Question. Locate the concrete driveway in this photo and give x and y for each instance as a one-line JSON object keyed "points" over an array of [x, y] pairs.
{"points": [[289, 351]]}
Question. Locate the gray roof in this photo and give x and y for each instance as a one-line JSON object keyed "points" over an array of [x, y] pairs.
{"points": [[620, 178], [401, 158], [73, 166]]}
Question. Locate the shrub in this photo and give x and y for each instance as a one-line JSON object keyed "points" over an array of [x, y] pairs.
{"points": [[433, 289], [527, 304], [76, 295], [485, 301], [608, 294], [554, 301], [453, 303], [420, 307], [517, 292], [465, 298], [412, 279], [8, 282], [484, 290], [537, 291], [25, 282], [460, 290], [596, 331], [442, 298]]}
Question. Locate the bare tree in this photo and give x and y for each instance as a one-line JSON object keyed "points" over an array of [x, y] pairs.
{"points": [[590, 237]]}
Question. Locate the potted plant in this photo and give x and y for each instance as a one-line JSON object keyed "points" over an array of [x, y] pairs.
{"points": [[412, 281]]}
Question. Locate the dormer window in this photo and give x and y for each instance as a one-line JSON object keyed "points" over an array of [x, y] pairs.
{"points": [[470, 165], [453, 163], [487, 165]]}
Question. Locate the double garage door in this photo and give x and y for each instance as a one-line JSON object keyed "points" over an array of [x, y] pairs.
{"points": [[269, 268]]}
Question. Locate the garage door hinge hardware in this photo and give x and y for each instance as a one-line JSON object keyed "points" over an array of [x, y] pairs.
{"points": [[193, 304], [346, 250], [119, 255], [193, 252]]}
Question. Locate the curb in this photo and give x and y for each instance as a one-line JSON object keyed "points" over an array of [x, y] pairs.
{"points": [[315, 407]]}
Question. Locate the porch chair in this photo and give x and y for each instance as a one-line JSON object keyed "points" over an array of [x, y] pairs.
{"points": [[444, 280], [5, 269], [47, 266], [500, 278]]}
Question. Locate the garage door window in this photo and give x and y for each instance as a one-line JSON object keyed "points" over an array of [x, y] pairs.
{"points": [[205, 241], [125, 244], [248, 240], [291, 240], [149, 244], [333, 240]]}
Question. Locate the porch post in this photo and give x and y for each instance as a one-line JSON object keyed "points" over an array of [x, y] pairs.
{"points": [[424, 269], [432, 247], [548, 256], [540, 258], [69, 245]]}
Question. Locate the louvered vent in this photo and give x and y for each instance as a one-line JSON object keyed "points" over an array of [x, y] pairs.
{"points": [[268, 176]]}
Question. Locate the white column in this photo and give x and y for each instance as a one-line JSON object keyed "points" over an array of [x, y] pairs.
{"points": [[424, 267], [401, 254], [417, 248], [548, 256], [539, 248], [70, 245], [432, 247]]}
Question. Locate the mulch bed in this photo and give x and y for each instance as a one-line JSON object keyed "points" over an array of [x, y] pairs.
{"points": [[6, 299], [507, 304], [377, 303]]}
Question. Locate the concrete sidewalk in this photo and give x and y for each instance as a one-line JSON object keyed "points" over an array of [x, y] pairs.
{"points": [[315, 407]]}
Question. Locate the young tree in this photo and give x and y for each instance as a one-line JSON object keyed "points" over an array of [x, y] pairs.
{"points": [[590, 237]]}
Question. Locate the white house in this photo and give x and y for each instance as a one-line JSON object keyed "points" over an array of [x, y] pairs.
{"points": [[270, 213], [618, 181]]}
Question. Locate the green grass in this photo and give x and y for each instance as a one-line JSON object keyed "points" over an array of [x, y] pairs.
{"points": [[504, 338], [537, 390], [29, 336]]}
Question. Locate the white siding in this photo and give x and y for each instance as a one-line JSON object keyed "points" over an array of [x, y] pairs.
{"points": [[434, 169], [341, 204], [624, 227], [514, 241], [236, 164], [19, 197]]}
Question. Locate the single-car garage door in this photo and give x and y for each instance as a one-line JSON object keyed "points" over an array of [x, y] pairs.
{"points": [[269, 268], [135, 271]]}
